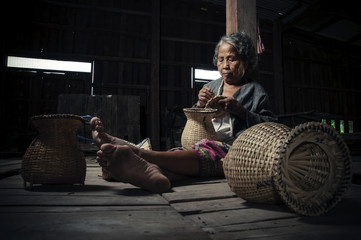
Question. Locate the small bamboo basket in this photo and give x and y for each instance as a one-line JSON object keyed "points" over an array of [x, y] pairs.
{"points": [[198, 126], [54, 156], [307, 167]]}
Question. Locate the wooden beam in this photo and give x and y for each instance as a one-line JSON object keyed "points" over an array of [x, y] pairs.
{"points": [[87, 6], [313, 9], [155, 76], [231, 16], [241, 15]]}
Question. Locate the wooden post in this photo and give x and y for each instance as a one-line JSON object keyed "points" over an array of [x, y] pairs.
{"points": [[241, 15], [155, 76]]}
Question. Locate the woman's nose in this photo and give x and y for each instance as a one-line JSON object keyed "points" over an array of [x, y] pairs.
{"points": [[225, 64]]}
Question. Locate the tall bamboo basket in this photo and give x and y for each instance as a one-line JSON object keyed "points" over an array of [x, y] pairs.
{"points": [[307, 167], [54, 156], [198, 126]]}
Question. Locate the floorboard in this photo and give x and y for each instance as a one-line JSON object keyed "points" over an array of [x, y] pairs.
{"points": [[98, 223], [192, 209]]}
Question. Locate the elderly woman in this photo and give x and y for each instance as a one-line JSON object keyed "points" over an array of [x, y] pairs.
{"points": [[244, 101]]}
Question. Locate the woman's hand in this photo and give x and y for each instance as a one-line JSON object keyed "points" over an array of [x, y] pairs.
{"points": [[204, 95], [232, 106]]}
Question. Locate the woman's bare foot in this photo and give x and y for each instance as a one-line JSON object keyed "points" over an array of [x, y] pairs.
{"points": [[126, 166], [100, 137]]}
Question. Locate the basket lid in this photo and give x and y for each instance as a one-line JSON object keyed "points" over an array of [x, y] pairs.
{"points": [[314, 169]]}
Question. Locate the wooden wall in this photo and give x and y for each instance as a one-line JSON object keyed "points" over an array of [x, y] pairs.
{"points": [[322, 76], [117, 37], [126, 39]]}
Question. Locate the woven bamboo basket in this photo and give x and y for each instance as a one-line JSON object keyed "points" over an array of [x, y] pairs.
{"points": [[54, 156], [307, 167], [198, 126]]}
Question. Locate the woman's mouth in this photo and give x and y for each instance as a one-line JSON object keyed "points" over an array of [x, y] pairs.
{"points": [[227, 74]]}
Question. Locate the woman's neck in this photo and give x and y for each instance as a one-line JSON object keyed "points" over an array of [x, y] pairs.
{"points": [[230, 89]]}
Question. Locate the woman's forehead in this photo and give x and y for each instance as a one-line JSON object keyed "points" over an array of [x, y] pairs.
{"points": [[226, 48]]}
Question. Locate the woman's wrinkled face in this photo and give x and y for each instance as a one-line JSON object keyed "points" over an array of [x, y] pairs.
{"points": [[229, 65]]}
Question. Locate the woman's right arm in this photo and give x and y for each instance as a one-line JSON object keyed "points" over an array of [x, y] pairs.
{"points": [[204, 95]]}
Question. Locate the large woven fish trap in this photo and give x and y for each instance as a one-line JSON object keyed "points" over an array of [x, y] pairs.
{"points": [[54, 156], [307, 167]]}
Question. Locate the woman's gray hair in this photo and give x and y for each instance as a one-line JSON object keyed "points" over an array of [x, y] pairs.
{"points": [[244, 46]]}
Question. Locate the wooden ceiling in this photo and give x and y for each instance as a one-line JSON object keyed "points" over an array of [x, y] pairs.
{"points": [[337, 20]]}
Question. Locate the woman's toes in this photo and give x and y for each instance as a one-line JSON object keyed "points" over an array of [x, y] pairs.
{"points": [[107, 148], [94, 121], [124, 165]]}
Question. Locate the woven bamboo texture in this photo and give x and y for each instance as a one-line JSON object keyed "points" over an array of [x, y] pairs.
{"points": [[307, 167], [54, 156], [198, 126]]}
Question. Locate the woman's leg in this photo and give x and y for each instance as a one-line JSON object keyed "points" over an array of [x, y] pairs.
{"points": [[178, 162], [183, 162], [100, 137], [204, 160], [142, 168], [126, 166]]}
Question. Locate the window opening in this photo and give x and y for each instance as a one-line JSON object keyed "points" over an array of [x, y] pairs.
{"points": [[343, 128], [333, 123], [51, 66], [199, 77], [350, 126]]}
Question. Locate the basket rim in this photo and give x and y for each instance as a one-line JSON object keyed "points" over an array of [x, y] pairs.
{"points": [[57, 116], [282, 187], [200, 110]]}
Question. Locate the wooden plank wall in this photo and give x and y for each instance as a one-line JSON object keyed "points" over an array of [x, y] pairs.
{"points": [[322, 76], [120, 114], [116, 36], [266, 72], [189, 32]]}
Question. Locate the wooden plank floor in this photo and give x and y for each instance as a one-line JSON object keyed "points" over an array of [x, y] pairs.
{"points": [[192, 209]]}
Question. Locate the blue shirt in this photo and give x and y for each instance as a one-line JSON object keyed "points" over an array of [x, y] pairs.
{"points": [[253, 98]]}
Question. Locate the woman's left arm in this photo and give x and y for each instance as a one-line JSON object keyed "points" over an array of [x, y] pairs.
{"points": [[259, 111], [246, 116], [232, 106]]}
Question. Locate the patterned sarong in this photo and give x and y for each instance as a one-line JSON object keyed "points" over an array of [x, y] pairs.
{"points": [[209, 154]]}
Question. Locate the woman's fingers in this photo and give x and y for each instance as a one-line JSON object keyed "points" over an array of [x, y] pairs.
{"points": [[232, 106], [204, 95]]}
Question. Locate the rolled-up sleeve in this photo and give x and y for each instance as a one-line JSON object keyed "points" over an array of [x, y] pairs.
{"points": [[255, 100]]}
